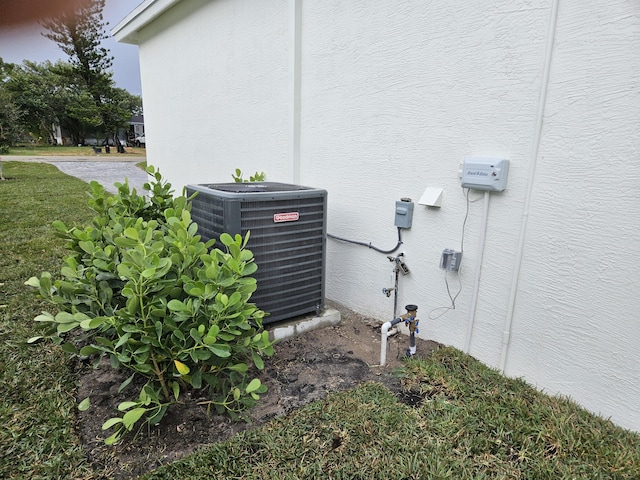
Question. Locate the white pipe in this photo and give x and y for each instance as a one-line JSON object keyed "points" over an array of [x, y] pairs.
{"points": [[383, 341], [533, 160], [476, 284], [295, 80]]}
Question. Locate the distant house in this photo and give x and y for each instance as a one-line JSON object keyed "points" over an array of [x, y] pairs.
{"points": [[126, 136], [375, 101], [136, 128]]}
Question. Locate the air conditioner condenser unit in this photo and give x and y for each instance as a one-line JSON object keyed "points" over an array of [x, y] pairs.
{"points": [[288, 228]]}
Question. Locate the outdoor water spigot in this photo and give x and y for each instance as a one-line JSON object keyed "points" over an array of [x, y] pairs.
{"points": [[399, 267], [395, 259], [388, 291]]}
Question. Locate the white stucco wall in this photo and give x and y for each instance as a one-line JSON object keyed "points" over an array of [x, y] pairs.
{"points": [[214, 86], [577, 327], [393, 96]]}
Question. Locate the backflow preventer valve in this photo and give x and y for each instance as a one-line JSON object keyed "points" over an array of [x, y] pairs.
{"points": [[412, 322]]}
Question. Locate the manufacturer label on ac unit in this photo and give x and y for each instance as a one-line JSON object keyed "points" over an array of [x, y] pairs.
{"points": [[286, 217]]}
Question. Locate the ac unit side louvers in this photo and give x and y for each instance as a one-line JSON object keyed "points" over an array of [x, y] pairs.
{"points": [[288, 230]]}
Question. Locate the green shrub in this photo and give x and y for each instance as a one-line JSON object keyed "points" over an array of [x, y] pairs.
{"points": [[140, 288], [256, 177]]}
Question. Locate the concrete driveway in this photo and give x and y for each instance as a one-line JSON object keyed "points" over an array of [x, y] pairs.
{"points": [[100, 168]]}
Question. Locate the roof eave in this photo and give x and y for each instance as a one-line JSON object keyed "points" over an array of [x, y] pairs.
{"points": [[127, 30]]}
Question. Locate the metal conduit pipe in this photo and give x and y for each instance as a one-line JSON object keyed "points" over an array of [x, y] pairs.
{"points": [[295, 87], [533, 161]]}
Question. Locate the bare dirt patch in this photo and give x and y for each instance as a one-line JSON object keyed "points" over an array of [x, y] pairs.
{"points": [[303, 369]]}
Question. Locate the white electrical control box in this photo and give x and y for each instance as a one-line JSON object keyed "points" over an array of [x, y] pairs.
{"points": [[484, 173]]}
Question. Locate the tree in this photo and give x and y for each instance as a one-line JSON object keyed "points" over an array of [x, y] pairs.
{"points": [[79, 33], [50, 95], [79, 96], [9, 117], [78, 115], [9, 112], [37, 92], [118, 106]]}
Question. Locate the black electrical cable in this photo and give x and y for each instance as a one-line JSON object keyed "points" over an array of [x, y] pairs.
{"points": [[369, 245]]}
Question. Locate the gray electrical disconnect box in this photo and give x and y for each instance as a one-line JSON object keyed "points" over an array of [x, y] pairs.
{"points": [[450, 260], [404, 213]]}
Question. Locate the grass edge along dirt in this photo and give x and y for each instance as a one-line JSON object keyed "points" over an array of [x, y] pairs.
{"points": [[468, 422], [67, 151]]}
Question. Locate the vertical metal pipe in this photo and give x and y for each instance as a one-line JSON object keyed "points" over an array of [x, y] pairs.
{"points": [[533, 160], [295, 80]]}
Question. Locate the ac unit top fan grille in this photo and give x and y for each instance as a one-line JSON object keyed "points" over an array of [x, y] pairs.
{"points": [[255, 187], [288, 228]]}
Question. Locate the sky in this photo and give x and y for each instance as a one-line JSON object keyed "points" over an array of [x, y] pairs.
{"points": [[26, 43]]}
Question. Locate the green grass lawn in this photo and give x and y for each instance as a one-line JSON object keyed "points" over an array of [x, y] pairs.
{"points": [[470, 422], [49, 150], [37, 407]]}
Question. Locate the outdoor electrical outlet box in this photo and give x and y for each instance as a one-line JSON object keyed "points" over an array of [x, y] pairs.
{"points": [[482, 173], [404, 213], [450, 260]]}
